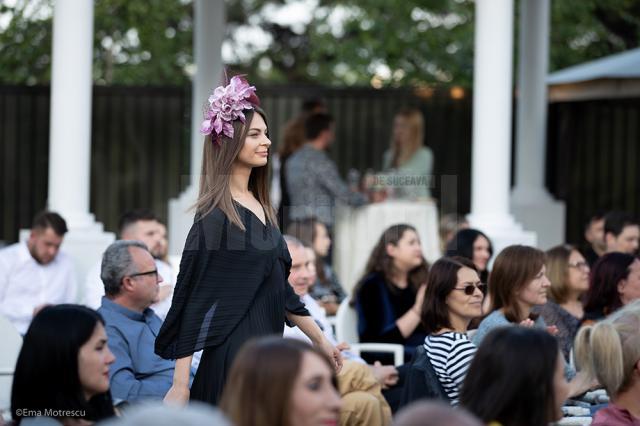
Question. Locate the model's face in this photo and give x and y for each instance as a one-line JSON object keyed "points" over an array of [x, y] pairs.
{"points": [[629, 288], [407, 253], [462, 305], [299, 275], [595, 234], [94, 359], [626, 242], [44, 245], [560, 387], [535, 292], [578, 272], [255, 151], [145, 282], [315, 401], [481, 253], [150, 232], [322, 242]]}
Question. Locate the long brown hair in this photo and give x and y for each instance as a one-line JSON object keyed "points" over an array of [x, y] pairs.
{"points": [[258, 391], [513, 269], [217, 164], [380, 262], [402, 153]]}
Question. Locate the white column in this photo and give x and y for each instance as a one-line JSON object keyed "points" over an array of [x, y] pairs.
{"points": [[70, 128], [207, 46], [530, 196], [70, 132], [491, 159]]}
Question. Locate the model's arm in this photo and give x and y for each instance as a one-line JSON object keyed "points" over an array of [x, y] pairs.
{"points": [[313, 332], [179, 391]]}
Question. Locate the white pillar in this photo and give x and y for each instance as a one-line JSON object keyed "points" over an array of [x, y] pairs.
{"points": [[530, 196], [207, 46], [491, 159], [70, 132]]}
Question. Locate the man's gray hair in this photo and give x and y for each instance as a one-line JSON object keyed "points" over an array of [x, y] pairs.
{"points": [[117, 263], [292, 241]]}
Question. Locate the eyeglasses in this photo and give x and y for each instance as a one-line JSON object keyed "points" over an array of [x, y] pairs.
{"points": [[471, 288], [139, 274], [579, 265]]}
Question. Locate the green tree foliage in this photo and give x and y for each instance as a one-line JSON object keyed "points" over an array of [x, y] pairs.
{"points": [[352, 42]]}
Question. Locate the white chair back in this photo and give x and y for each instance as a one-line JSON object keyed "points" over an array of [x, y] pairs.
{"points": [[11, 344], [347, 323]]}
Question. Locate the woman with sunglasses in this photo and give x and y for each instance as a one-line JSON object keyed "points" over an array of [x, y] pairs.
{"points": [[454, 297]]}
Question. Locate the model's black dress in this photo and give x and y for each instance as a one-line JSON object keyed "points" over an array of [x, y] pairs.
{"points": [[232, 286]]}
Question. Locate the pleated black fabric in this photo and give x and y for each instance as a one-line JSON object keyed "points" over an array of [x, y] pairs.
{"points": [[232, 286]]}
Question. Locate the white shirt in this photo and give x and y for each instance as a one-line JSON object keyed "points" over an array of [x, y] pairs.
{"points": [[94, 288], [319, 315], [26, 284]]}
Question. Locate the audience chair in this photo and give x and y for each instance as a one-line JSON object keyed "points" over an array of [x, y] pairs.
{"points": [[347, 331]]}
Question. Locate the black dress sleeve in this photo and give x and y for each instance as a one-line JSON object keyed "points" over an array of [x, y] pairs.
{"points": [[376, 319], [220, 272]]}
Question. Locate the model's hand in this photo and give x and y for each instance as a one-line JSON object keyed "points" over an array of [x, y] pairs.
{"points": [[344, 346], [177, 395], [333, 353]]}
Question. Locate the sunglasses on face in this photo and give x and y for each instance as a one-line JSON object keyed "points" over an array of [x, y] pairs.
{"points": [[469, 289]]}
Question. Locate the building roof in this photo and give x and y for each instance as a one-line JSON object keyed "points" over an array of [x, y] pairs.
{"points": [[625, 65]]}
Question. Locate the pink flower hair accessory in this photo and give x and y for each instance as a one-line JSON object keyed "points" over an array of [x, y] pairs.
{"points": [[226, 105]]}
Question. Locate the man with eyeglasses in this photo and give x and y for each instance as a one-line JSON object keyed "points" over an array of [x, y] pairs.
{"points": [[144, 226], [131, 284]]}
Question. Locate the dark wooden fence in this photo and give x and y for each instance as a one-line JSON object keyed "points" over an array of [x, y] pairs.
{"points": [[592, 158], [141, 146]]}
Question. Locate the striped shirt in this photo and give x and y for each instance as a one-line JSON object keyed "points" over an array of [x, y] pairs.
{"points": [[450, 354]]}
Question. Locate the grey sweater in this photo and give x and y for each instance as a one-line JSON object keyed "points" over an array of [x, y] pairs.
{"points": [[314, 185]]}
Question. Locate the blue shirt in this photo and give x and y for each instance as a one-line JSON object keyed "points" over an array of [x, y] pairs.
{"points": [[137, 373]]}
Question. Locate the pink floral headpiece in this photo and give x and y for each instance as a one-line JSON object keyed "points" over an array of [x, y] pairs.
{"points": [[226, 105]]}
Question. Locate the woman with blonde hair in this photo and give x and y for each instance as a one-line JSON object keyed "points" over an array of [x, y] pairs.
{"points": [[410, 162], [568, 272], [610, 352], [232, 284]]}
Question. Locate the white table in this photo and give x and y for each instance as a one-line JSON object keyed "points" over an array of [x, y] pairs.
{"points": [[357, 230]]}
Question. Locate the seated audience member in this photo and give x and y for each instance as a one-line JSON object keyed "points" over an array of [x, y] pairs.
{"points": [[131, 280], [615, 282], [475, 246], [389, 296], [594, 236], [448, 227], [516, 379], [360, 385], [621, 232], [158, 414], [138, 225], [275, 381], [326, 288], [610, 352], [431, 413], [62, 371], [517, 283], [454, 297], [36, 273], [408, 157], [568, 273]]}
